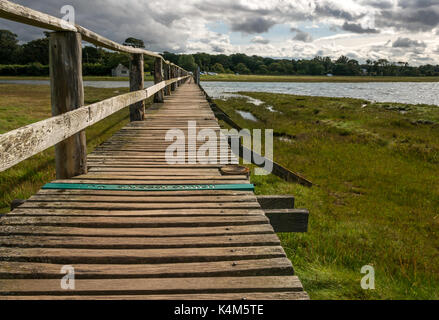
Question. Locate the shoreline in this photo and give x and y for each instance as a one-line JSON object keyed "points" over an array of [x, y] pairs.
{"points": [[256, 78]]}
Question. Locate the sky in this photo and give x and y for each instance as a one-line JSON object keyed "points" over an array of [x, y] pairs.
{"points": [[397, 30]]}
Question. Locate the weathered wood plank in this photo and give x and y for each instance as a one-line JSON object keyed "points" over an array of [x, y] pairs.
{"points": [[79, 242], [138, 256], [299, 295], [137, 232], [257, 267], [288, 220], [276, 201], [134, 222], [154, 286]]}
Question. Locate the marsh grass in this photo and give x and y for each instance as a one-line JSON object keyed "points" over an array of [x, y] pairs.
{"points": [[375, 198], [24, 104]]}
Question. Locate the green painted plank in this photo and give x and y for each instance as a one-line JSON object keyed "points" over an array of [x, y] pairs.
{"points": [[118, 187]]}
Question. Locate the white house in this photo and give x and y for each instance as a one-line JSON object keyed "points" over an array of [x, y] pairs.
{"points": [[120, 71]]}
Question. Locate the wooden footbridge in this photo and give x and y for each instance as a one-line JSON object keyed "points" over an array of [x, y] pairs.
{"points": [[127, 222]]}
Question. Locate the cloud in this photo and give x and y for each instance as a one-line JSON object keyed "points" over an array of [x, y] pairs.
{"points": [[301, 35], [357, 28], [408, 43], [260, 40], [253, 25]]}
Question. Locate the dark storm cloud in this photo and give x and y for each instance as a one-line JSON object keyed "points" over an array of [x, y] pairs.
{"points": [[114, 19], [253, 25], [413, 15], [301, 35], [327, 10], [357, 28], [408, 43]]}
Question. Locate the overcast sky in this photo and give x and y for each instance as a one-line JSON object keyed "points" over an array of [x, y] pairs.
{"points": [[399, 30]]}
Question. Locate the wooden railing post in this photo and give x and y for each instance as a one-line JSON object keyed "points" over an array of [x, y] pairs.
{"points": [[173, 74], [67, 94], [167, 90], [137, 82], [158, 77]]}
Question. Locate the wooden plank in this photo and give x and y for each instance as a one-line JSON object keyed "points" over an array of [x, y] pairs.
{"points": [[288, 220], [276, 201], [137, 232], [153, 286], [138, 256], [256, 267], [141, 199], [138, 242], [135, 206], [150, 212], [299, 295], [134, 222]]}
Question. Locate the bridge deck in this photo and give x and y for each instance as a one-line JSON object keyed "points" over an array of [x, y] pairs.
{"points": [[146, 244]]}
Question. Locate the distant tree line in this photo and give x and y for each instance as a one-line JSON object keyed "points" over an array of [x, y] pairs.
{"points": [[32, 58]]}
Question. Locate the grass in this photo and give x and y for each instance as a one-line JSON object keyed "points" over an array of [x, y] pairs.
{"points": [[261, 78], [375, 198], [21, 105]]}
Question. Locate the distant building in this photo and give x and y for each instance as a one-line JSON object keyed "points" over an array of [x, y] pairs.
{"points": [[329, 75], [364, 72], [212, 73], [120, 71]]}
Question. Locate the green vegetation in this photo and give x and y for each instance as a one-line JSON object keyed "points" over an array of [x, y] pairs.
{"points": [[261, 78], [375, 198], [32, 59], [21, 105]]}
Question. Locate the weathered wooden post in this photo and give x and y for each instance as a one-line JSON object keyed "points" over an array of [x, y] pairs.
{"points": [[173, 74], [158, 77], [167, 90], [137, 79], [67, 94], [197, 75]]}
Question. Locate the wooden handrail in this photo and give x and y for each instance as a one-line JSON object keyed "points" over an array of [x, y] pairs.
{"points": [[19, 13], [22, 143]]}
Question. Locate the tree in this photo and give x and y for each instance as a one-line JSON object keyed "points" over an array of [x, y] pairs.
{"points": [[8, 47], [133, 42], [36, 51], [218, 67], [187, 62], [242, 69], [92, 54]]}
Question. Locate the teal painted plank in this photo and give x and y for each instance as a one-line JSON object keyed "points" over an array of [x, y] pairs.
{"points": [[118, 187]]}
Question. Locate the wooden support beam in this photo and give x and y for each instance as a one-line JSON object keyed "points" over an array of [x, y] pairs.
{"points": [[67, 94], [288, 220], [158, 77], [16, 203], [137, 78], [276, 202]]}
